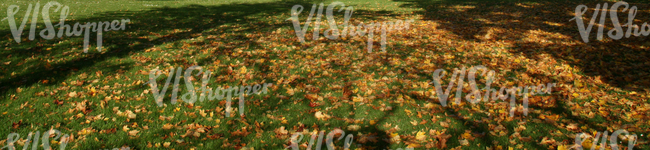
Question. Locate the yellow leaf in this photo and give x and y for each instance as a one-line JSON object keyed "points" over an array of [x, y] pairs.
{"points": [[586, 144], [395, 138], [242, 70], [577, 83], [575, 94], [373, 122], [357, 99], [466, 135], [202, 113], [420, 136], [168, 126], [413, 145], [408, 112]]}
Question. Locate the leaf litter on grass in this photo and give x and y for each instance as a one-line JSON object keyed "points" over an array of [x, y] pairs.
{"points": [[384, 99]]}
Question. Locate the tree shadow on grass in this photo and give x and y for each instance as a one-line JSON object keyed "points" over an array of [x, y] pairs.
{"points": [[33, 62], [535, 28], [532, 28], [49, 67], [555, 106]]}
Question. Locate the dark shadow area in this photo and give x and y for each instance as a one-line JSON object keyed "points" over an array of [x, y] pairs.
{"points": [[175, 24], [532, 28], [621, 63]]}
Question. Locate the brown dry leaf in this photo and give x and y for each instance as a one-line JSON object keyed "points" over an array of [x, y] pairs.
{"points": [[72, 94], [444, 124], [130, 114], [281, 131], [321, 116], [311, 97], [395, 138], [67, 140], [414, 122], [442, 140], [133, 132], [291, 91], [15, 125], [354, 127], [464, 142], [572, 127], [547, 141]]}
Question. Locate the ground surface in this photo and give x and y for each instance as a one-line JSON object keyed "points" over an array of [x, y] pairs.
{"points": [[384, 99]]}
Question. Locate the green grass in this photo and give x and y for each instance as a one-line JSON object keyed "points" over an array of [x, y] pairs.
{"points": [[218, 34]]}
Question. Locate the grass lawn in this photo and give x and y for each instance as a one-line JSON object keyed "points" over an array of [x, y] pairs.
{"points": [[384, 99]]}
